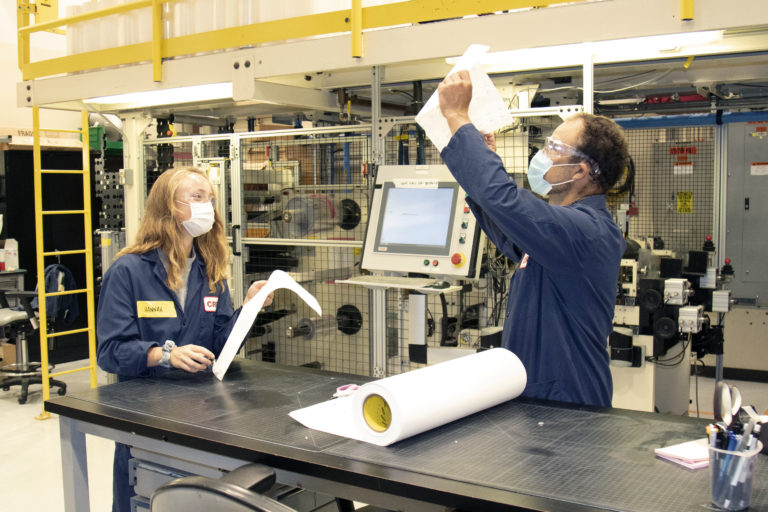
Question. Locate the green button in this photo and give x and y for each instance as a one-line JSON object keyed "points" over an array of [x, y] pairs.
{"points": [[426, 263]]}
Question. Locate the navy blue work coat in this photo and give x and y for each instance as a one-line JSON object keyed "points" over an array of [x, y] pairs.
{"points": [[562, 295], [137, 311]]}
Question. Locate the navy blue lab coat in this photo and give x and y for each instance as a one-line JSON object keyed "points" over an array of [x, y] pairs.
{"points": [[126, 333], [562, 295], [134, 289]]}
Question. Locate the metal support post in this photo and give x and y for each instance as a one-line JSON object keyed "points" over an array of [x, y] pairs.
{"points": [[377, 297], [75, 462], [378, 333], [132, 174], [588, 80]]}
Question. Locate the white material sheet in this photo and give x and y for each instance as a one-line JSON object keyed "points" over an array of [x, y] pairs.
{"points": [[421, 399], [278, 279], [487, 109]]}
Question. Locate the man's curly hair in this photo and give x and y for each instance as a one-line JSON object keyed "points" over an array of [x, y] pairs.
{"points": [[603, 140]]}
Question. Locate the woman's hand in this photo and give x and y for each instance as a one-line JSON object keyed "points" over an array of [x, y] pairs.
{"points": [[192, 358], [254, 289]]}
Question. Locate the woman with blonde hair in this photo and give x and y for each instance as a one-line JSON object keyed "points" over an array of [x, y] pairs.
{"points": [[165, 302]]}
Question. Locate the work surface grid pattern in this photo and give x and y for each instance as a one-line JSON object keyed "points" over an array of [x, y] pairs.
{"points": [[517, 446]]}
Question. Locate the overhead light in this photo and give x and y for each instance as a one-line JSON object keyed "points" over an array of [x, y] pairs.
{"points": [[172, 96], [618, 50]]}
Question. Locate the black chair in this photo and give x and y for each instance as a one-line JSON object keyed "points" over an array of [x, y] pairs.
{"points": [[17, 326], [238, 491]]}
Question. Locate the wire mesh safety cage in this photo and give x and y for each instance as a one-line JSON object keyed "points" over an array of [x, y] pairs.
{"points": [[304, 204], [303, 195], [310, 185], [164, 155], [672, 191]]}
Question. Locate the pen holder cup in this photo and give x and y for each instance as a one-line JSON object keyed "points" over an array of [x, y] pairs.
{"points": [[732, 473]]}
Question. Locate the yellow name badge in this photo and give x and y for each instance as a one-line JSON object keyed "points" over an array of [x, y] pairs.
{"points": [[155, 309]]}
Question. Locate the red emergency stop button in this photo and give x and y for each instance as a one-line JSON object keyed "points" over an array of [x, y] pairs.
{"points": [[457, 259]]}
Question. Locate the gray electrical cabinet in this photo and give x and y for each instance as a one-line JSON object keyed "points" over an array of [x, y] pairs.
{"points": [[747, 211]]}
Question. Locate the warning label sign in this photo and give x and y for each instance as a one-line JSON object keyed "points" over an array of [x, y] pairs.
{"points": [[685, 202]]}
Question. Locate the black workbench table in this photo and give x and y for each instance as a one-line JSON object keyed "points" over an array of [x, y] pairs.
{"points": [[526, 454]]}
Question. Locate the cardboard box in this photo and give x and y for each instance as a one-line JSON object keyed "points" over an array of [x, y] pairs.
{"points": [[8, 353], [9, 254]]}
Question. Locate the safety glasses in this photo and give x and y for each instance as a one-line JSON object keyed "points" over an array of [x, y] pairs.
{"points": [[198, 197], [554, 147]]}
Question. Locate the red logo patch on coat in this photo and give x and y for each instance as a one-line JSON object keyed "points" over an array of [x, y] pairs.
{"points": [[524, 261], [209, 303]]}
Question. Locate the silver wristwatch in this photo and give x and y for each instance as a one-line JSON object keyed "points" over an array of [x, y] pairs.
{"points": [[165, 359]]}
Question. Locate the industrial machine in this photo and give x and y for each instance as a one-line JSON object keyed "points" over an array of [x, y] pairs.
{"points": [[422, 240], [665, 311], [420, 224]]}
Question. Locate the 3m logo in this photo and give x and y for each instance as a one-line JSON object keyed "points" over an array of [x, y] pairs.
{"points": [[210, 303]]}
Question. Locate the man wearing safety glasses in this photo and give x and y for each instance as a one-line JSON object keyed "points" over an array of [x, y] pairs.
{"points": [[562, 295]]}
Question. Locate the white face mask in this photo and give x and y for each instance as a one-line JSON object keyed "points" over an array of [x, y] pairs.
{"points": [[202, 218], [537, 169]]}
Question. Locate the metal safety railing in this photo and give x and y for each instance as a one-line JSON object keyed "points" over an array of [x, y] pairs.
{"points": [[353, 21], [42, 254]]}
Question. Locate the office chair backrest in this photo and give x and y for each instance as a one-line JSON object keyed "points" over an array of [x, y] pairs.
{"points": [[203, 494]]}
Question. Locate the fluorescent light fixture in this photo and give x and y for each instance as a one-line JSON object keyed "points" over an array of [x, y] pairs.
{"points": [[618, 50], [172, 96]]}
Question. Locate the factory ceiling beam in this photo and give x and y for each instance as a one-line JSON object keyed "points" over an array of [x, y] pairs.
{"points": [[415, 51]]}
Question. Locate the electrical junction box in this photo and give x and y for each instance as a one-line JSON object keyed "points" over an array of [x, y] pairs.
{"points": [[746, 211], [628, 277], [676, 291], [709, 280], [690, 319], [721, 301], [626, 315]]}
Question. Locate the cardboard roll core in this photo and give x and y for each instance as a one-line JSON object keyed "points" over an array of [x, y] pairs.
{"points": [[377, 414]]}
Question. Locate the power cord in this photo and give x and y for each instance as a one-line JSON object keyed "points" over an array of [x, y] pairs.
{"points": [[677, 358]]}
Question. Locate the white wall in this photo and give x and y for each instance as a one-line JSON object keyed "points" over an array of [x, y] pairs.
{"points": [[44, 46]]}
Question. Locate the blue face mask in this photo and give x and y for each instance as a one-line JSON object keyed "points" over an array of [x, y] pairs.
{"points": [[540, 164]]}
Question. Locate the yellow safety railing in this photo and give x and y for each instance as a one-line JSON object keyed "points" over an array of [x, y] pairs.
{"points": [[353, 21], [87, 252]]}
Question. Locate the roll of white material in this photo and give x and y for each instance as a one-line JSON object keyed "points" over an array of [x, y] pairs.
{"points": [[388, 410]]}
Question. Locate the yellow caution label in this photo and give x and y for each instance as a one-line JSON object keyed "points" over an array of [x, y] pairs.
{"points": [[155, 309], [685, 202], [106, 241], [377, 413]]}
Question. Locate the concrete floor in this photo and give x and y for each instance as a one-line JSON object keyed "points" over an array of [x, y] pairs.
{"points": [[30, 455], [31, 460]]}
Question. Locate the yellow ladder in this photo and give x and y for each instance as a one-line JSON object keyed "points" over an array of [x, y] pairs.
{"points": [[42, 253]]}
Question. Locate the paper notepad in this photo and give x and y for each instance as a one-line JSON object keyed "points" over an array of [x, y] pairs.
{"points": [[691, 454]]}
